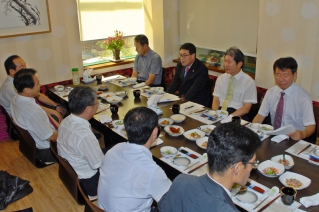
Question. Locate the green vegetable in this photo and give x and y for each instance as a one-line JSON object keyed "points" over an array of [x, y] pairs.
{"points": [[119, 123], [167, 152]]}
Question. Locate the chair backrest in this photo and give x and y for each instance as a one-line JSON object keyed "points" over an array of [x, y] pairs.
{"points": [[89, 206], [67, 175], [316, 114], [163, 84], [11, 130], [27, 147]]}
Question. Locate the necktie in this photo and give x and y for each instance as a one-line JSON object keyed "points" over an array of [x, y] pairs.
{"points": [[186, 71], [229, 93], [279, 111]]}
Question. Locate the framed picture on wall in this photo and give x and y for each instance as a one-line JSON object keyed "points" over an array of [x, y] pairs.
{"points": [[24, 17]]}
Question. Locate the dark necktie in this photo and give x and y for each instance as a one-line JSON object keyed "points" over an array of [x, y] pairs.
{"points": [[186, 71], [279, 111]]}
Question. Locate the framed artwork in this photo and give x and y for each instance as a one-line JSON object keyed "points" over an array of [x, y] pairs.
{"points": [[24, 17]]}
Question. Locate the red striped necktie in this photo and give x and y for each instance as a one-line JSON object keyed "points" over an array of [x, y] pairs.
{"points": [[279, 112]]}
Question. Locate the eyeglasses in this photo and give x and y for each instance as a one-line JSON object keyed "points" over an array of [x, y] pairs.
{"points": [[255, 163], [184, 55]]}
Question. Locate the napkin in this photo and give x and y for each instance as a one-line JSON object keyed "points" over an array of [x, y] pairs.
{"points": [[153, 100], [87, 74], [310, 201], [139, 85], [157, 142], [279, 138], [227, 119], [105, 118]]}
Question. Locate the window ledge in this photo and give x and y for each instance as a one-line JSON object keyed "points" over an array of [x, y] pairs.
{"points": [[110, 64]]}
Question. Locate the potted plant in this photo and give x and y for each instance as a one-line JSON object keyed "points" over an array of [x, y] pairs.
{"points": [[114, 43]]}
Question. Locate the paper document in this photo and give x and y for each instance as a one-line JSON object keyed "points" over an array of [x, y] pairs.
{"points": [[282, 130]]}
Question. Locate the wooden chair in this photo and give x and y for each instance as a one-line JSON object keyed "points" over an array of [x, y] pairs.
{"points": [[67, 175], [28, 148], [11, 129], [89, 206]]}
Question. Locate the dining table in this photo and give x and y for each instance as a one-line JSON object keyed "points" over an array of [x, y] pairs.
{"points": [[267, 150]]}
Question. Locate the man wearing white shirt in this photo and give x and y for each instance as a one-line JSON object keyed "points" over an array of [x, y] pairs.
{"points": [[76, 141], [27, 114], [129, 177], [297, 103], [244, 92], [231, 156]]}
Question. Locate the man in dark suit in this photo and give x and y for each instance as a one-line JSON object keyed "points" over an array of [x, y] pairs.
{"points": [[231, 156], [191, 77]]}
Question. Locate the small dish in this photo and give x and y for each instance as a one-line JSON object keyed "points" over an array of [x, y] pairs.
{"points": [[106, 95], [288, 162], [114, 100], [222, 113], [102, 87], [121, 93], [178, 118], [156, 90], [132, 80], [202, 142], [194, 134], [316, 153], [176, 128], [265, 128], [117, 123], [207, 129], [270, 168], [59, 87], [181, 161], [168, 151], [211, 113], [291, 176], [165, 122], [246, 196]]}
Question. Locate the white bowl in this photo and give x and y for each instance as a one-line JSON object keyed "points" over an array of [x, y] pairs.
{"points": [[117, 123], [207, 129], [211, 113], [168, 151], [157, 90], [114, 99], [265, 128], [202, 142], [167, 121], [194, 134], [106, 95], [291, 175], [121, 93], [212, 61], [271, 164], [222, 113], [288, 158], [132, 80], [102, 87], [178, 118], [59, 87], [181, 130]]}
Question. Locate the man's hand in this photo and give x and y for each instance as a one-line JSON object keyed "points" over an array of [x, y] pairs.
{"points": [[297, 135], [61, 110]]}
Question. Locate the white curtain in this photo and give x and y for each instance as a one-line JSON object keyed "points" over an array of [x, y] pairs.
{"points": [[289, 28]]}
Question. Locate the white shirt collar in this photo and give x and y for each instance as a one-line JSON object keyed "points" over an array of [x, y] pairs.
{"points": [[228, 192]]}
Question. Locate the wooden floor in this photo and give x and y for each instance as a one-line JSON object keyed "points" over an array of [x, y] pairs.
{"points": [[49, 193]]}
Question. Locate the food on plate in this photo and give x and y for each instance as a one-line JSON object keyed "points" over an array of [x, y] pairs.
{"points": [[165, 122], [213, 60], [108, 95], [168, 152], [119, 123], [284, 162], [174, 130], [204, 144], [178, 118], [271, 171], [206, 130], [103, 86], [235, 185], [99, 92], [194, 135], [294, 183], [265, 128]]}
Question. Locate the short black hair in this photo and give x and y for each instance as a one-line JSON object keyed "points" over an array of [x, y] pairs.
{"points": [[190, 47], [228, 144], [24, 79], [81, 97], [9, 64], [142, 39], [237, 54], [139, 124], [284, 63]]}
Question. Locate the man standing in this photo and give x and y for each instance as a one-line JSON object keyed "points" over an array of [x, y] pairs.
{"points": [[231, 156], [235, 91], [130, 179], [76, 141], [287, 103], [191, 77], [27, 114], [148, 64]]}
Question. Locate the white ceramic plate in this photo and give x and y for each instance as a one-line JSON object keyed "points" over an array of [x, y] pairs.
{"points": [[116, 123], [265, 128], [102, 87], [288, 158], [121, 94], [89, 80], [178, 118], [207, 129], [291, 175], [168, 151], [59, 87], [201, 142], [194, 134], [161, 122], [114, 99], [182, 161], [271, 164], [167, 129], [247, 196], [106, 95]]}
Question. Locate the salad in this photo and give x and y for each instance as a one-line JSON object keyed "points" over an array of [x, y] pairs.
{"points": [[271, 171]]}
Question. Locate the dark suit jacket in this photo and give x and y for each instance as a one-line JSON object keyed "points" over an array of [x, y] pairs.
{"points": [[190, 193], [195, 86]]}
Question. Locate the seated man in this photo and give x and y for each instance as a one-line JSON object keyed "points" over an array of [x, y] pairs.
{"points": [[13, 64], [27, 114], [234, 91], [130, 179], [287, 103], [231, 156], [148, 64], [191, 77], [76, 141]]}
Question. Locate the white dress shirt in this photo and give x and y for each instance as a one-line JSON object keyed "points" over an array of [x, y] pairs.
{"points": [[130, 179], [27, 114], [79, 146], [244, 90], [7, 92], [298, 110]]}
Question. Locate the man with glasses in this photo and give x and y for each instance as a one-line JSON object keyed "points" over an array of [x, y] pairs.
{"points": [[231, 156], [130, 180], [76, 141], [191, 77], [148, 64], [296, 103]]}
